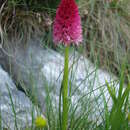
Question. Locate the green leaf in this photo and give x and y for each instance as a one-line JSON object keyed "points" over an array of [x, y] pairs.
{"points": [[121, 82], [124, 96], [113, 96]]}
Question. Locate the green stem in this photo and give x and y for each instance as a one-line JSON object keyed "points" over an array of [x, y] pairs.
{"points": [[65, 90]]}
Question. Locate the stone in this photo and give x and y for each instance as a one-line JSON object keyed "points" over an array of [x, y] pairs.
{"points": [[15, 107], [40, 70]]}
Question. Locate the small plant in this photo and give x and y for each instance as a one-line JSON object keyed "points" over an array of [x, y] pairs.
{"points": [[67, 30]]}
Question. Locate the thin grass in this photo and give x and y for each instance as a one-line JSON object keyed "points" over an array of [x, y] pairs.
{"points": [[106, 30], [13, 108], [106, 33], [81, 111]]}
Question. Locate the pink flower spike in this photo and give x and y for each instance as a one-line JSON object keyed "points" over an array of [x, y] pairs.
{"points": [[67, 24]]}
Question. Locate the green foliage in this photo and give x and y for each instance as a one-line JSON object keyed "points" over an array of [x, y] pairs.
{"points": [[116, 119], [13, 108], [52, 3], [80, 112], [35, 5]]}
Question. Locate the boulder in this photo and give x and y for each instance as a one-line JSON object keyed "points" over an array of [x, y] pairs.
{"points": [[15, 107], [40, 70]]}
